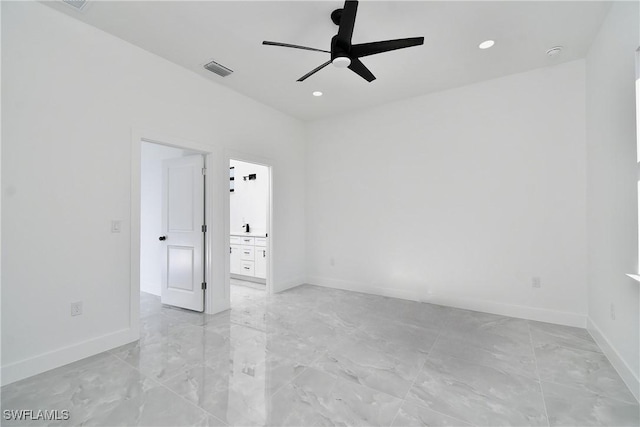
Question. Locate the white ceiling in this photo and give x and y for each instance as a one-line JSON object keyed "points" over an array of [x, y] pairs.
{"points": [[192, 33]]}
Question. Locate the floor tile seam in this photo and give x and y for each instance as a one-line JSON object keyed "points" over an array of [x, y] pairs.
{"points": [[148, 377], [211, 326], [587, 338], [178, 372], [473, 345], [593, 393], [182, 324], [423, 328], [485, 365], [338, 377], [147, 342], [424, 406], [539, 346], [167, 339], [296, 376], [535, 359], [181, 371], [404, 399], [206, 412], [205, 365], [179, 322], [247, 326], [459, 335]]}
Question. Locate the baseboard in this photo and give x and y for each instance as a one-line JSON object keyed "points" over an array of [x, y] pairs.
{"points": [[486, 306], [627, 375], [54, 359]]}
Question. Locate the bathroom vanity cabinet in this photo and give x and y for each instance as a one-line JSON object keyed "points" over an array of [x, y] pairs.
{"points": [[249, 255]]}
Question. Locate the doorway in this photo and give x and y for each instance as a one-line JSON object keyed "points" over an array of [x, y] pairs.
{"points": [[173, 244], [249, 232]]}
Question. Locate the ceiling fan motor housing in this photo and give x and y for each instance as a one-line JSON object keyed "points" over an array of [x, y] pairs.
{"points": [[335, 16]]}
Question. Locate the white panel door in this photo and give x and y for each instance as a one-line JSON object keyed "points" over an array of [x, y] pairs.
{"points": [[182, 223]]}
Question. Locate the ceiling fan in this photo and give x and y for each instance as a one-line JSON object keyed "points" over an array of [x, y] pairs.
{"points": [[347, 55]]}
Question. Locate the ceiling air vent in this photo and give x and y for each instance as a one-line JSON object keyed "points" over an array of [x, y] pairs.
{"points": [[76, 4], [218, 69]]}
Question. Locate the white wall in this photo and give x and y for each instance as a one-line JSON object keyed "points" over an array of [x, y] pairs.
{"points": [[66, 173], [459, 197], [612, 203], [151, 248], [248, 202]]}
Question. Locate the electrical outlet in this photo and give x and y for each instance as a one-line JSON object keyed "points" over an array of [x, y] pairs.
{"points": [[332, 262], [612, 309], [536, 282], [76, 308]]}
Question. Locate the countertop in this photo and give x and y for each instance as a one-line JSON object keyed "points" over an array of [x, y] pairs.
{"points": [[250, 234]]}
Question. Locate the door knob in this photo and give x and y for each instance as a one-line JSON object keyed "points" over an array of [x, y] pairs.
{"points": [[162, 238]]}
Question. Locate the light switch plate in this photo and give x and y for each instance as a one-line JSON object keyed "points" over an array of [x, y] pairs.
{"points": [[116, 226]]}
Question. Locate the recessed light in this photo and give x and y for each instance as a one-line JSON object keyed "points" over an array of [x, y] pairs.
{"points": [[486, 44], [317, 93], [554, 51]]}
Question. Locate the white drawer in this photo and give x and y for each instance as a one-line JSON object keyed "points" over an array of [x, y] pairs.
{"points": [[235, 240], [246, 253], [261, 241], [247, 268], [246, 240]]}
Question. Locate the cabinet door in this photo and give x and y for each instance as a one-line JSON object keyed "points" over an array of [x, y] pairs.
{"points": [[261, 263], [236, 259]]}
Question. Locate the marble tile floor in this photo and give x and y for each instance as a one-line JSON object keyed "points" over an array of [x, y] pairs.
{"points": [[313, 356]]}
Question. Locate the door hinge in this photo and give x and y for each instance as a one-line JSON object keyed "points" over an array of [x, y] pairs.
{"points": [[204, 285], [204, 228], [204, 171]]}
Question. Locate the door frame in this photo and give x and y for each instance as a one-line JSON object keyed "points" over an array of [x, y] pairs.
{"points": [[212, 193], [270, 165]]}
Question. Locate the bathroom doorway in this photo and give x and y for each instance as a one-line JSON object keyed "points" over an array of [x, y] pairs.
{"points": [[249, 232]]}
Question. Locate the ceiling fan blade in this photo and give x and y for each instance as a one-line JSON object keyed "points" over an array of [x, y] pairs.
{"points": [[315, 70], [359, 68], [347, 22], [366, 49], [268, 43]]}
